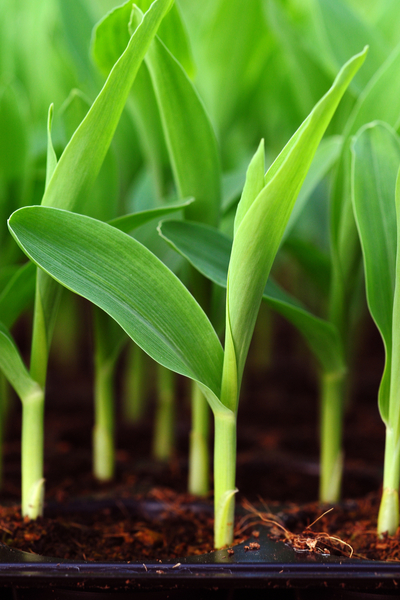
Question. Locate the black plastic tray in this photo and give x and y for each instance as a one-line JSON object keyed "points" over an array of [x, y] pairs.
{"points": [[274, 566]]}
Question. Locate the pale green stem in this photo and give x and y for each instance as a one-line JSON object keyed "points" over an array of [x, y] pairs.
{"points": [[198, 451], [103, 430], [32, 454], [47, 299], [331, 460], [388, 519], [135, 389], [224, 478], [164, 438]]}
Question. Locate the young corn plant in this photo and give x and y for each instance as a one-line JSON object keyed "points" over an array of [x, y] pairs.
{"points": [[377, 101], [376, 203], [127, 281], [183, 123], [83, 157]]}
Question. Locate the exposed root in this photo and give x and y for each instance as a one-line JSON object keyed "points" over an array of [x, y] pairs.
{"points": [[307, 541]]}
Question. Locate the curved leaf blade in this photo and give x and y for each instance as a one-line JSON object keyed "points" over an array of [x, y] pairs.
{"points": [[190, 138], [87, 148], [127, 281], [375, 164], [13, 367]]}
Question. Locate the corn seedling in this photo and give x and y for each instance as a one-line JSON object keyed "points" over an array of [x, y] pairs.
{"points": [[376, 202], [127, 281], [83, 157]]}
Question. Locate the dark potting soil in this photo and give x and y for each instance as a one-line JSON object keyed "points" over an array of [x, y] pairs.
{"points": [[277, 464]]}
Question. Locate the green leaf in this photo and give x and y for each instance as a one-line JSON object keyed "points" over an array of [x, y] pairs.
{"points": [[111, 36], [128, 223], [208, 250], [190, 138], [253, 185], [87, 148], [257, 241], [13, 367], [127, 281], [376, 160]]}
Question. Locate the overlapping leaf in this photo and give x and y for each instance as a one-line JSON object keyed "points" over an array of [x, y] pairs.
{"points": [[122, 277], [88, 146], [190, 138]]}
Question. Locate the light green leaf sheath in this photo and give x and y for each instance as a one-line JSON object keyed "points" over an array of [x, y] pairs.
{"points": [[14, 369], [87, 148], [260, 230], [127, 281], [375, 162], [208, 250]]}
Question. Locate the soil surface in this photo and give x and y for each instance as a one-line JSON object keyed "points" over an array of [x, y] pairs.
{"points": [[277, 462]]}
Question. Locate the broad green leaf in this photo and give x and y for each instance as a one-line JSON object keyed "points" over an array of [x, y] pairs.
{"points": [[13, 367], [376, 160], [259, 235], [127, 281], [88, 146], [208, 250], [190, 138], [18, 294], [128, 223]]}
